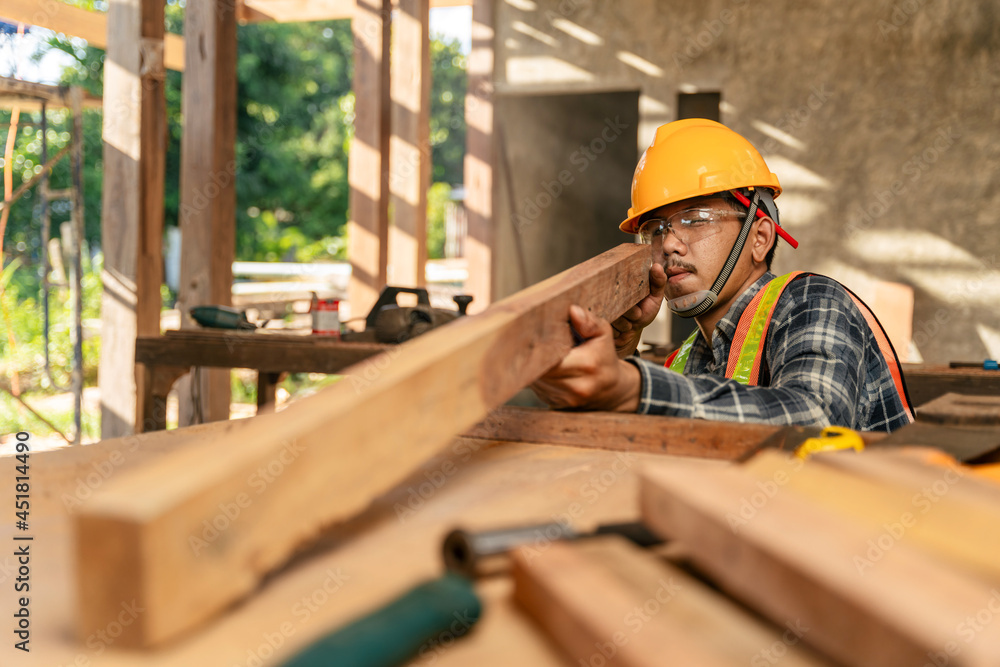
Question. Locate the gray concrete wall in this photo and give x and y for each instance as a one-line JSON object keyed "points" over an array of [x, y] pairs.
{"points": [[881, 120], [562, 160]]}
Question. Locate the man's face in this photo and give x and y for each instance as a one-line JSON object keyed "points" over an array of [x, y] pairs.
{"points": [[702, 232]]}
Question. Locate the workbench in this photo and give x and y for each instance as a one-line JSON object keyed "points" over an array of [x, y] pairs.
{"points": [[357, 566], [925, 382], [172, 355]]}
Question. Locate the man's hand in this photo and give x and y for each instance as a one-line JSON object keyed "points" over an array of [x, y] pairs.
{"points": [[591, 376], [628, 328]]}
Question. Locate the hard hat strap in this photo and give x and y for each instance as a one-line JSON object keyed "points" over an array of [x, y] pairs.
{"points": [[712, 295]]}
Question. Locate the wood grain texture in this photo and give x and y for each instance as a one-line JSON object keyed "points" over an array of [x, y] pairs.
{"points": [[789, 558], [625, 432], [321, 460], [273, 354], [925, 382], [208, 188], [606, 601], [961, 410], [368, 160], [410, 147], [135, 134], [95, 27]]}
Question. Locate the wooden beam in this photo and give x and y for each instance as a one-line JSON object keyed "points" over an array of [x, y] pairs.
{"points": [[149, 535], [926, 382], [208, 187], [409, 145], [91, 26], [606, 601], [271, 354], [368, 161], [135, 137], [788, 558], [479, 157], [284, 11], [626, 432]]}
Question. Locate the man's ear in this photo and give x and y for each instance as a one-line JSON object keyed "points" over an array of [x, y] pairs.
{"points": [[762, 237]]}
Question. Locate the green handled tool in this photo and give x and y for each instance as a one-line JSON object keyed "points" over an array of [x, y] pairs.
{"points": [[436, 610]]}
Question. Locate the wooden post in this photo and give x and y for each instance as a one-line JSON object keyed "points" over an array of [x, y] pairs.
{"points": [[208, 187], [479, 158], [368, 227], [135, 135], [410, 149]]}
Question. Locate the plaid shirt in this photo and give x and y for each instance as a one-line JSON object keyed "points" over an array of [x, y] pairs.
{"points": [[822, 366]]}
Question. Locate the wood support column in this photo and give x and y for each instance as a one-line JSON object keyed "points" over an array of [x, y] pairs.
{"points": [[368, 173], [409, 145], [135, 137], [208, 187], [479, 157]]}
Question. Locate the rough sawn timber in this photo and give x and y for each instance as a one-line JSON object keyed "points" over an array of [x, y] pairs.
{"points": [[192, 534]]}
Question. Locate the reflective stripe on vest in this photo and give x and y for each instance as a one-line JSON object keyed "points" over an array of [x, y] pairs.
{"points": [[751, 331]]}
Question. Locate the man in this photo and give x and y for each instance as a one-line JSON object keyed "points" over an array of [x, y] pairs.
{"points": [[799, 349]]}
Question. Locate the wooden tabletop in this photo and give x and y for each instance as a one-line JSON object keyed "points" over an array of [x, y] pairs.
{"points": [[394, 545], [267, 352]]}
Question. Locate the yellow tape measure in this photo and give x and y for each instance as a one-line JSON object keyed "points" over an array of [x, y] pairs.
{"points": [[830, 439]]}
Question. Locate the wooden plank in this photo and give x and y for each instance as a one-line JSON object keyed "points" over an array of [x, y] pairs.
{"points": [[272, 354], [135, 135], [961, 410], [91, 26], [728, 441], [625, 432], [946, 524], [605, 601], [926, 382], [208, 188], [409, 144], [284, 11], [790, 559], [368, 160], [965, 443], [323, 458], [479, 158]]}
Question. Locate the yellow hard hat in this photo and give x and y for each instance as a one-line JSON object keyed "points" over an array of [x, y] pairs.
{"points": [[691, 158]]}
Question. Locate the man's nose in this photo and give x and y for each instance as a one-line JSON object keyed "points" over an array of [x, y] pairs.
{"points": [[672, 244]]}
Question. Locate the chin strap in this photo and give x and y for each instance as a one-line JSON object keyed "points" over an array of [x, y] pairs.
{"points": [[693, 305]]}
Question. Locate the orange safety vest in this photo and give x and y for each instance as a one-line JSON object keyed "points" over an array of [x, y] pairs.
{"points": [[751, 331]]}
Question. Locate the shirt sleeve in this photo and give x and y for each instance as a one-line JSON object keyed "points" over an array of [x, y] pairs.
{"points": [[815, 352]]}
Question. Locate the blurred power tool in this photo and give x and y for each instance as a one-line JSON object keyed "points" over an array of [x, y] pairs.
{"points": [[388, 322], [221, 317]]}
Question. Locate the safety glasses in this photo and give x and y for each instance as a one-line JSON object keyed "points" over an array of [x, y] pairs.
{"points": [[689, 225]]}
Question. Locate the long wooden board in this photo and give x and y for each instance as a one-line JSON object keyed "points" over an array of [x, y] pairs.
{"points": [[791, 559], [729, 441], [605, 601], [194, 533]]}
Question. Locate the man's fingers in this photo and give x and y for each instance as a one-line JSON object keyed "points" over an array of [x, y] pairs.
{"points": [[586, 324], [657, 280]]}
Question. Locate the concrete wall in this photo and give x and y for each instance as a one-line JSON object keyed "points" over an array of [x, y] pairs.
{"points": [[561, 160], [881, 120]]}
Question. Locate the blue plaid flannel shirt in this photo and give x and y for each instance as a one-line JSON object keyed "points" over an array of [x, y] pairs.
{"points": [[823, 367]]}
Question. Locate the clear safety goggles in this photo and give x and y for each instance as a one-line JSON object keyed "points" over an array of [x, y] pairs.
{"points": [[689, 225]]}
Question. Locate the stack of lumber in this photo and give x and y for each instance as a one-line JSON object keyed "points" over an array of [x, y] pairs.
{"points": [[888, 557]]}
